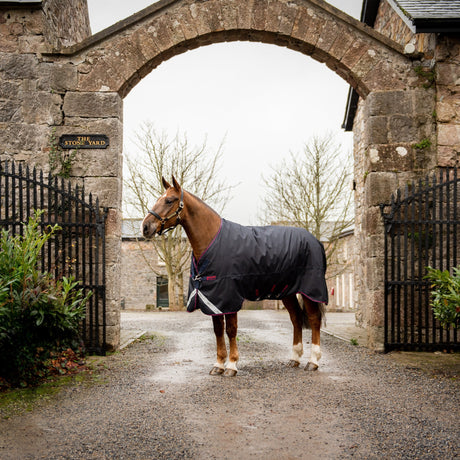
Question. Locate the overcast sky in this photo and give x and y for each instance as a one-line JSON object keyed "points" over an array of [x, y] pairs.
{"points": [[265, 100]]}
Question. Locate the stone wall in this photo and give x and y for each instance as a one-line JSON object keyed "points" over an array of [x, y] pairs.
{"points": [[437, 58], [138, 280], [29, 29], [447, 110], [32, 90], [67, 22]]}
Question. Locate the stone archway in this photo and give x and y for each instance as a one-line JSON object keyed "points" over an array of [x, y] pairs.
{"points": [[116, 59], [96, 74]]}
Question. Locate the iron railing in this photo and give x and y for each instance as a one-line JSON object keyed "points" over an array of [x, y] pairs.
{"points": [[421, 229], [77, 249]]}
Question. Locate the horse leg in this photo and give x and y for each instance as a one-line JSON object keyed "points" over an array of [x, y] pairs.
{"points": [[295, 313], [219, 367], [231, 324], [314, 315]]}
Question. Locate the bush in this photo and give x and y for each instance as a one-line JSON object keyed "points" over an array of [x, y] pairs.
{"points": [[445, 296], [39, 315]]}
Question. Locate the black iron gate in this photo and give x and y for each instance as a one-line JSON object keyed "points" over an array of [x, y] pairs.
{"points": [[421, 229], [77, 249]]}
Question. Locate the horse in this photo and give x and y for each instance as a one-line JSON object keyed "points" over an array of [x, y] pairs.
{"points": [[231, 262]]}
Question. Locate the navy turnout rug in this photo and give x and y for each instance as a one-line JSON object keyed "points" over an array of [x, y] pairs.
{"points": [[256, 263]]}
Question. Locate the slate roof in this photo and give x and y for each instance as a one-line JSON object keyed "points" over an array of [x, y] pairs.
{"points": [[426, 16], [430, 8]]}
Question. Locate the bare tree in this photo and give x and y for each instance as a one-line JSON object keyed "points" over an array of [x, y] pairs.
{"points": [[196, 170], [312, 190]]}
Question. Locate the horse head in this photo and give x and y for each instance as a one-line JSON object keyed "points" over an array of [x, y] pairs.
{"points": [[166, 212]]}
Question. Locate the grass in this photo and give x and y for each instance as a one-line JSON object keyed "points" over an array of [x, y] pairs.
{"points": [[244, 338], [19, 400], [16, 401], [157, 338], [437, 364]]}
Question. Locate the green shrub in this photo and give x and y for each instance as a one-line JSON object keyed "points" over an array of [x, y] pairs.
{"points": [[39, 314], [445, 296]]}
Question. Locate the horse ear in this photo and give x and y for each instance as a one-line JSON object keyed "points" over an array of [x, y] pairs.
{"points": [[176, 184], [166, 184]]}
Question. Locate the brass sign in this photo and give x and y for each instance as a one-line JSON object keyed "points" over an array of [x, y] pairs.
{"points": [[84, 141]]}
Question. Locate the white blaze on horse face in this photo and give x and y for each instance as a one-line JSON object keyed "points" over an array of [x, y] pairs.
{"points": [[315, 354], [297, 352]]}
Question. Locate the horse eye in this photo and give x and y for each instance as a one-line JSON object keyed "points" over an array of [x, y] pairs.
{"points": [[170, 200]]}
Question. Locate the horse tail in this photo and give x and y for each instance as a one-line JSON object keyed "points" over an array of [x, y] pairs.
{"points": [[321, 310]]}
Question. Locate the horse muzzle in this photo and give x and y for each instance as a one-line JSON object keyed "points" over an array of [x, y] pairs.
{"points": [[149, 228]]}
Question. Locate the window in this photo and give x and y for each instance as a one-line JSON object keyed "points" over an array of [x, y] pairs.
{"points": [[162, 292]]}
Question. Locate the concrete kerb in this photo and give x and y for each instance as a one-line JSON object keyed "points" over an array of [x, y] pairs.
{"points": [[343, 327], [128, 336]]}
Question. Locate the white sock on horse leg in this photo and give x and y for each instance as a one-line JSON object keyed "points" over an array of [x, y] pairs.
{"points": [[297, 352], [315, 354], [232, 365]]}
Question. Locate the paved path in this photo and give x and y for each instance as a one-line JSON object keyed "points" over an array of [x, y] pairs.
{"points": [[340, 325]]}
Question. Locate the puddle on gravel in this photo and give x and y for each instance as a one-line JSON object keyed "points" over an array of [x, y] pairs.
{"points": [[260, 342], [190, 360], [194, 356]]}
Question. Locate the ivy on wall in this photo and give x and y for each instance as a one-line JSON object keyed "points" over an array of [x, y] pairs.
{"points": [[61, 161]]}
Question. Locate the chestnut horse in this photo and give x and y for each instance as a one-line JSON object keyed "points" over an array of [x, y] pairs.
{"points": [[302, 273]]}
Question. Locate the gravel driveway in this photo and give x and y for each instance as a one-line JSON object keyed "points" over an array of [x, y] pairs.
{"points": [[155, 400]]}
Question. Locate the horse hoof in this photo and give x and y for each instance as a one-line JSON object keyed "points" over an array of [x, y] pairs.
{"points": [[216, 371], [311, 367], [293, 363], [230, 372]]}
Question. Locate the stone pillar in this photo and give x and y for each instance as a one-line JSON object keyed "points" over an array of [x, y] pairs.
{"points": [[101, 171], [388, 126], [113, 278]]}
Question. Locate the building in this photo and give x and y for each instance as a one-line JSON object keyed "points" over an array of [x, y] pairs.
{"points": [[144, 284]]}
